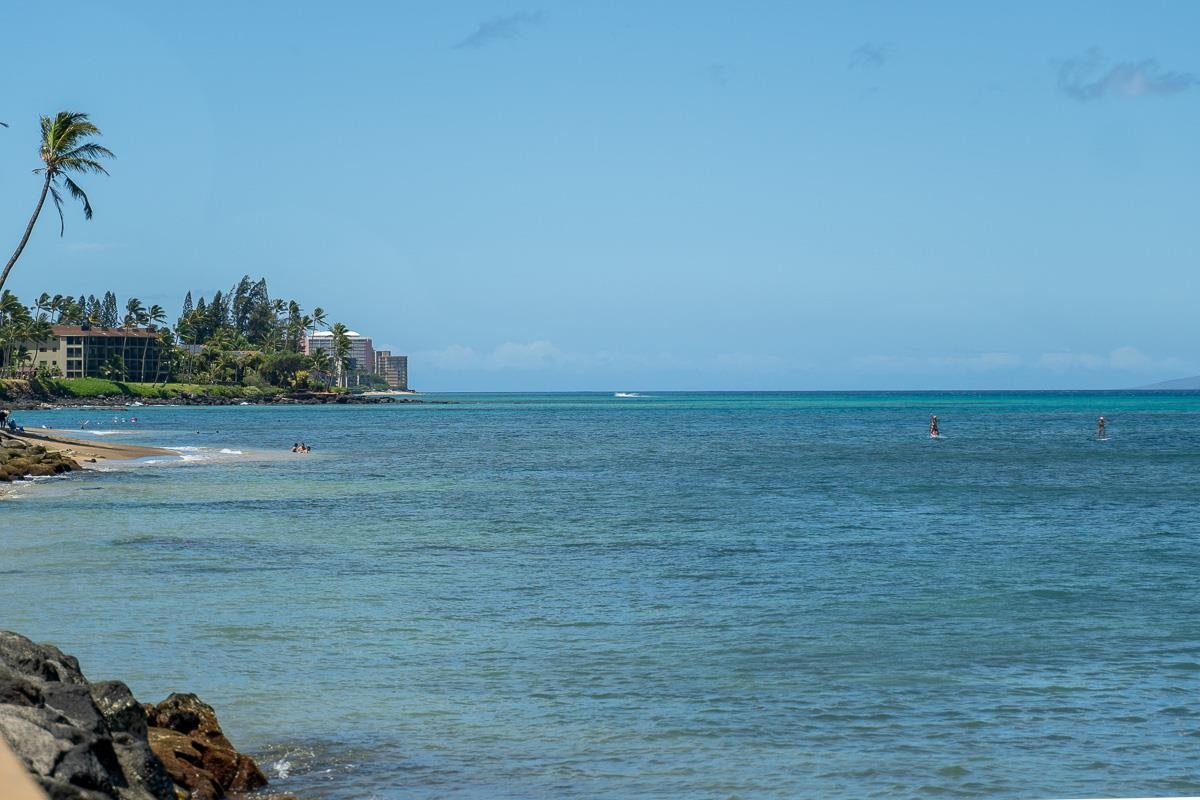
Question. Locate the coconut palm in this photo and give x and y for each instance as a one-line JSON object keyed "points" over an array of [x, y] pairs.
{"points": [[135, 314], [155, 315], [321, 362], [32, 333], [341, 351], [168, 356], [43, 305], [64, 150], [318, 319]]}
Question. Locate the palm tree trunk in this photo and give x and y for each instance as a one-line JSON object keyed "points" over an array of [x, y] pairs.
{"points": [[28, 230], [145, 350]]}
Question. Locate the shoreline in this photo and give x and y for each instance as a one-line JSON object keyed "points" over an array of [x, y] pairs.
{"points": [[135, 401], [24, 395], [88, 452]]}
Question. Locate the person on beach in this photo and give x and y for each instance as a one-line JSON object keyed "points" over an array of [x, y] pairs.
{"points": [[3, 418], [1101, 425], [933, 428]]}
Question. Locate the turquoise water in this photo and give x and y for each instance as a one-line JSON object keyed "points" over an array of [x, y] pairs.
{"points": [[702, 596]]}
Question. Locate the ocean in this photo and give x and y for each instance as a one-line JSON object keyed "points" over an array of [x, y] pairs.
{"points": [[668, 595]]}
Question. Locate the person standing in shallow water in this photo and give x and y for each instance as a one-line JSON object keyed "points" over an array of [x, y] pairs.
{"points": [[933, 428], [1101, 426]]}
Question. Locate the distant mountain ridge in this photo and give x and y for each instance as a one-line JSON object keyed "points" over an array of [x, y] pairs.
{"points": [[1177, 384]]}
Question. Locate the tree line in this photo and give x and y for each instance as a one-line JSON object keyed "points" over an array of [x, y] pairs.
{"points": [[237, 336]]}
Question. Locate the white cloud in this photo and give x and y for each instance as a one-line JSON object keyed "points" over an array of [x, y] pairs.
{"points": [[982, 362], [1090, 77], [1126, 358], [454, 357], [534, 355], [544, 355], [753, 362], [509, 355], [501, 28]]}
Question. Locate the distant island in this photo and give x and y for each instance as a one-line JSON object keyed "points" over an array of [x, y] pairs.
{"points": [[1179, 384]]}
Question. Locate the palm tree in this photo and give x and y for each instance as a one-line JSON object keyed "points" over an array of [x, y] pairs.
{"points": [[318, 318], [155, 315], [64, 150], [33, 332], [43, 305], [341, 351], [321, 362], [12, 316], [167, 355], [135, 313]]}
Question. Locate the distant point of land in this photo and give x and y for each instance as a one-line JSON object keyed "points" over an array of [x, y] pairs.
{"points": [[1179, 384]]}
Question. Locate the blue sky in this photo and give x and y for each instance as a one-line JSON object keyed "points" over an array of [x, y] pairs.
{"points": [[644, 195]]}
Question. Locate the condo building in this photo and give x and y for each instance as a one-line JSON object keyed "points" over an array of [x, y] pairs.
{"points": [[361, 354], [130, 354], [393, 369]]}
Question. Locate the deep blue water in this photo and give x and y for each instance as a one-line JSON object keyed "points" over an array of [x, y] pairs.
{"points": [[708, 596]]}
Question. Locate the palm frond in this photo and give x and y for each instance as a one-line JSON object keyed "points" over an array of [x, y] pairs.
{"points": [[62, 223], [78, 194], [79, 165], [91, 150]]}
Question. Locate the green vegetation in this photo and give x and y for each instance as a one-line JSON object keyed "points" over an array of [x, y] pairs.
{"points": [[239, 343], [94, 388]]}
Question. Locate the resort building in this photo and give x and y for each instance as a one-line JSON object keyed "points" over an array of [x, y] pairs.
{"points": [[361, 354], [393, 369], [128, 354]]}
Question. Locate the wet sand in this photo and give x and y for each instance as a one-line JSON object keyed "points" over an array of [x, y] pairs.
{"points": [[82, 450]]}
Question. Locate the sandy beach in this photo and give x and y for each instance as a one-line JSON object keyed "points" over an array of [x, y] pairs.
{"points": [[84, 450]]}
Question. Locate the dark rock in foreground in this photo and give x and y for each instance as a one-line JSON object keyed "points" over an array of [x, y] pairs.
{"points": [[94, 741]]}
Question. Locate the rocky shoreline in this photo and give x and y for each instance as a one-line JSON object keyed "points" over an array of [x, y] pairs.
{"points": [[33, 402], [23, 459], [83, 740]]}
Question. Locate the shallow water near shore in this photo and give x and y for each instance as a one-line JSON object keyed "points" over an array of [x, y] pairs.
{"points": [[690, 595]]}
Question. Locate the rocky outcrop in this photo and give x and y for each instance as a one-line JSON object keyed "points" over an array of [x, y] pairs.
{"points": [[21, 459], [95, 741], [185, 735]]}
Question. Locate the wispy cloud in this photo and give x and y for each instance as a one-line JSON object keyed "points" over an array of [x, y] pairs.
{"points": [[752, 362], [1123, 358], [718, 74], [1092, 77], [507, 356], [544, 355], [869, 55], [982, 362], [1126, 358], [500, 28]]}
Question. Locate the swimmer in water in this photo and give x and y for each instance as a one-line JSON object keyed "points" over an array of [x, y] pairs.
{"points": [[933, 428], [1101, 425]]}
